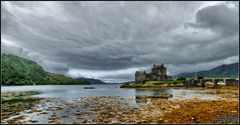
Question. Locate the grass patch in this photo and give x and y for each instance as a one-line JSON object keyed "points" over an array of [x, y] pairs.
{"points": [[154, 83], [168, 82]]}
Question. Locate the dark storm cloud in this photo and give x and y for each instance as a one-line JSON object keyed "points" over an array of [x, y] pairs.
{"points": [[219, 18], [111, 40]]}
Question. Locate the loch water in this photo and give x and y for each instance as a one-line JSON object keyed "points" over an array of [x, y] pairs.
{"points": [[68, 92]]}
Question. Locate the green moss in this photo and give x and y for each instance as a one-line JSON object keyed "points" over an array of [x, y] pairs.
{"points": [[15, 102]]}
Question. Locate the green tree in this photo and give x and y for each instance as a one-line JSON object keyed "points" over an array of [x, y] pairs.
{"points": [[200, 77], [181, 79]]}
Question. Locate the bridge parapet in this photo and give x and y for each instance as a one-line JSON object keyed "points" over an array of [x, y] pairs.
{"points": [[229, 82], [219, 80]]}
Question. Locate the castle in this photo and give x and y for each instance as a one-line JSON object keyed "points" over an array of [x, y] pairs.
{"points": [[159, 72]]}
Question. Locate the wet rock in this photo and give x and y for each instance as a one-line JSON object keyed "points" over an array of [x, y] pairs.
{"points": [[58, 108], [44, 113], [38, 110], [84, 121], [76, 123], [64, 116], [51, 121], [77, 114], [54, 118], [141, 97], [19, 117], [30, 111], [33, 121], [115, 122], [13, 121], [162, 96], [88, 88]]}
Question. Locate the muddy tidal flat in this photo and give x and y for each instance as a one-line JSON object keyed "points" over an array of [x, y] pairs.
{"points": [[24, 107]]}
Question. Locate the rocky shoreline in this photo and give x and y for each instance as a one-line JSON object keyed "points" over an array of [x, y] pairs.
{"points": [[139, 109]]}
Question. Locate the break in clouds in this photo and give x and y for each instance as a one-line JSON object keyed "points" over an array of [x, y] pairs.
{"points": [[111, 40]]}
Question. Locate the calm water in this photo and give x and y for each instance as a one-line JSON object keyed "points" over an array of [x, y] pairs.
{"points": [[68, 92]]}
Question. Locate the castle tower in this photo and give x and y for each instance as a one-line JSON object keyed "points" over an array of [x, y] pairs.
{"points": [[159, 70]]}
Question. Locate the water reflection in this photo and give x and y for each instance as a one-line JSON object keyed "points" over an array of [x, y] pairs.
{"points": [[151, 91], [177, 94]]}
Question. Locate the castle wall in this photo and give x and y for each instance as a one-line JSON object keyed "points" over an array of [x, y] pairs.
{"points": [[148, 76], [140, 77]]}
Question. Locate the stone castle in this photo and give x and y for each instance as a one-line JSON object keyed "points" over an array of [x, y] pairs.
{"points": [[159, 72]]}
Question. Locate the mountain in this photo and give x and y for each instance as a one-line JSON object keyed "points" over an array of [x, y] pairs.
{"points": [[227, 71], [92, 81], [20, 71], [128, 82]]}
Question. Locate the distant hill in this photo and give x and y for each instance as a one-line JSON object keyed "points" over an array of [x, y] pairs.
{"points": [[60, 79], [92, 81], [227, 71], [20, 71]]}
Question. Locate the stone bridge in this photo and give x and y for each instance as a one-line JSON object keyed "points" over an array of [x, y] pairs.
{"points": [[227, 81]]}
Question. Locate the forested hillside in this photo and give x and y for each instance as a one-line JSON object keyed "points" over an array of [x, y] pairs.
{"points": [[21, 71], [223, 71]]}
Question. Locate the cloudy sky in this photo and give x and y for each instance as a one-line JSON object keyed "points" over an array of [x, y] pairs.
{"points": [[111, 40]]}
